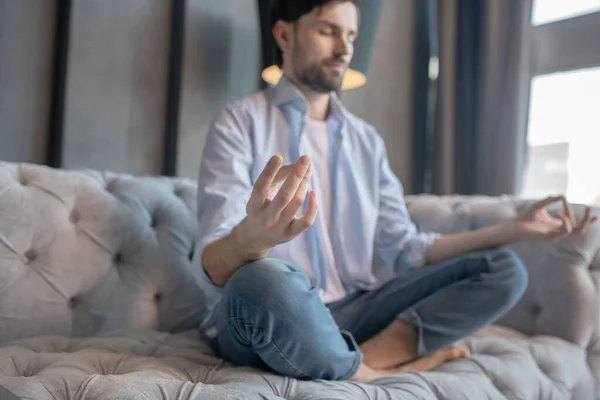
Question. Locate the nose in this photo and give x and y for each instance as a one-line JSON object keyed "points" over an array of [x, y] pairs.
{"points": [[343, 46]]}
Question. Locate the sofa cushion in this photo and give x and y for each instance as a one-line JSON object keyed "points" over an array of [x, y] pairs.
{"points": [[505, 364]]}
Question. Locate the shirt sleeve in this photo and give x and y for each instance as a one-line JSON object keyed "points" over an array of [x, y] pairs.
{"points": [[397, 240], [224, 185]]}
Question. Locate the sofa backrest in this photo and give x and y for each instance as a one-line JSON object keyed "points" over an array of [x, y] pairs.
{"points": [[83, 253]]}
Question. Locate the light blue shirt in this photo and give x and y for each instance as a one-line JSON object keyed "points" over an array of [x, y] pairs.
{"points": [[371, 229]]}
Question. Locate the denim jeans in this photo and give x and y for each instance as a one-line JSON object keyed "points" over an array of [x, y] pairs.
{"points": [[271, 318]]}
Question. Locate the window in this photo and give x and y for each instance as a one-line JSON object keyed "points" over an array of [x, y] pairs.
{"points": [[564, 136], [546, 11]]}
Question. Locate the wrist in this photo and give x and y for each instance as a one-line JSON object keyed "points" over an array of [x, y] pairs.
{"points": [[512, 231], [241, 245]]}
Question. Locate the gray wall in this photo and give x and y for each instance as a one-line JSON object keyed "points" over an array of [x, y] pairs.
{"points": [[221, 63], [116, 85], [386, 100], [118, 76], [26, 31]]}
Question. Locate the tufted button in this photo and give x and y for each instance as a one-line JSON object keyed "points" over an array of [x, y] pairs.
{"points": [[191, 255], [23, 181], [153, 222], [28, 373], [118, 258], [158, 297], [178, 191], [73, 301], [111, 185], [30, 255], [536, 309], [75, 216]]}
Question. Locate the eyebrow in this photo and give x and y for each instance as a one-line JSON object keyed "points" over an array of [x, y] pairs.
{"points": [[333, 25]]}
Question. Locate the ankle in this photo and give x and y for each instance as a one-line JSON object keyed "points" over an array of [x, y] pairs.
{"points": [[396, 344], [363, 373]]}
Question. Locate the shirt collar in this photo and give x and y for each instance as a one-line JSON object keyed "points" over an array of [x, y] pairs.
{"points": [[285, 92]]}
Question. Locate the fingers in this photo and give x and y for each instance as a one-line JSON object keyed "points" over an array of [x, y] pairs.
{"points": [[290, 211], [274, 210], [262, 186], [587, 220], [267, 183], [287, 192], [566, 222], [281, 176], [568, 210], [546, 202], [563, 229], [301, 224], [567, 225]]}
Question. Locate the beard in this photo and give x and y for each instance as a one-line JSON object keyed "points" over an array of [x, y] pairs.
{"points": [[316, 76]]}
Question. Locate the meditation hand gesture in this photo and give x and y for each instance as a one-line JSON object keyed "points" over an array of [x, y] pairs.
{"points": [[271, 212], [537, 223]]}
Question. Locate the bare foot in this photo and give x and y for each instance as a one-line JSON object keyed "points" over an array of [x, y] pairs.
{"points": [[394, 345], [433, 360], [366, 373], [423, 364]]}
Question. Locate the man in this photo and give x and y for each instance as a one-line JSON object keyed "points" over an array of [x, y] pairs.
{"points": [[289, 278]]}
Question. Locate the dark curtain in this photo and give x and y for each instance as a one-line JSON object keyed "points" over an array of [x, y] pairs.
{"points": [[481, 98]]}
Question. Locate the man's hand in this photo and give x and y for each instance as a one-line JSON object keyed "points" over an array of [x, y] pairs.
{"points": [[537, 223], [271, 219], [271, 213]]}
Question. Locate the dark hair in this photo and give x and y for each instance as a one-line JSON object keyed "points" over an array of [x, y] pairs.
{"points": [[291, 11]]}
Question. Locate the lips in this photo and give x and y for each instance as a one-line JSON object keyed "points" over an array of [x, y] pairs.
{"points": [[337, 66]]}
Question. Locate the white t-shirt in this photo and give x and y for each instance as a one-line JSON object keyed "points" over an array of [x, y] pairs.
{"points": [[315, 144]]}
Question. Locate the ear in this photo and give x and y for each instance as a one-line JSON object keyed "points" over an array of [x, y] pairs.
{"points": [[282, 34]]}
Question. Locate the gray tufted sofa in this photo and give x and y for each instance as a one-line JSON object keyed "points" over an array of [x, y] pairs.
{"points": [[98, 301]]}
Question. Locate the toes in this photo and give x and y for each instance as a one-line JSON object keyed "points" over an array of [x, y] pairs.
{"points": [[455, 353]]}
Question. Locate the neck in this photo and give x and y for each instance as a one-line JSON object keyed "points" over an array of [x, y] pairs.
{"points": [[317, 102]]}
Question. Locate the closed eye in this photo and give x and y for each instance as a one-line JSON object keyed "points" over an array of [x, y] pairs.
{"points": [[329, 28]]}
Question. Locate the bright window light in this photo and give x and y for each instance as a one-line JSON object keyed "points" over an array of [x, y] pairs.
{"points": [[546, 11], [564, 136]]}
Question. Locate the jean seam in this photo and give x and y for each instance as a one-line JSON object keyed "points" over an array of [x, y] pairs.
{"points": [[271, 341], [421, 348], [357, 360], [355, 365], [302, 374]]}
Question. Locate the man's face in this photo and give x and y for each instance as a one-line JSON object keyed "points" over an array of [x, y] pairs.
{"points": [[322, 45]]}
